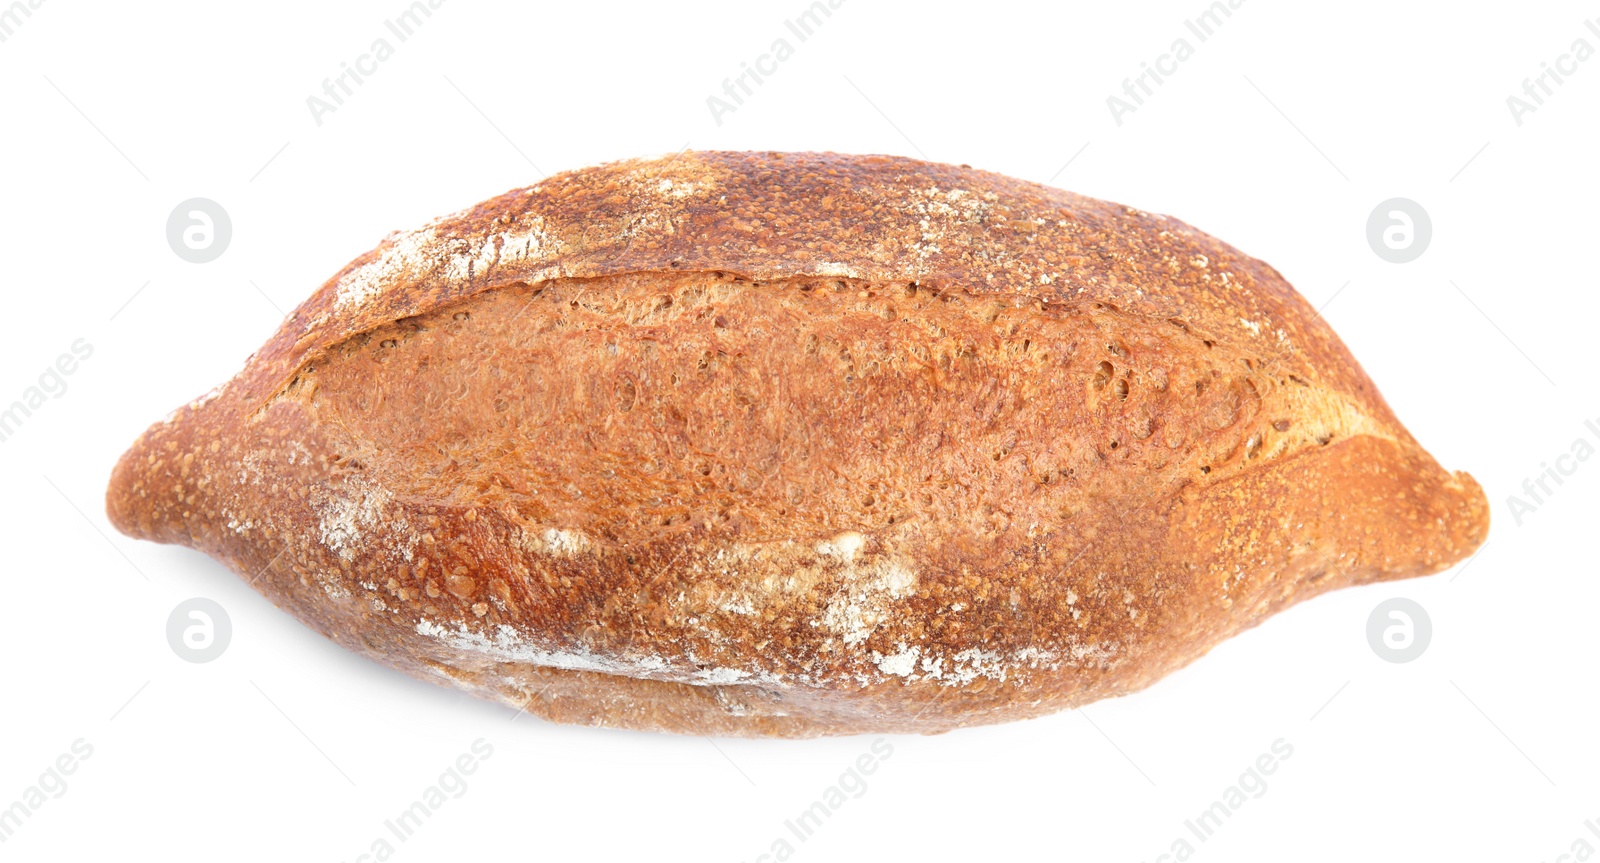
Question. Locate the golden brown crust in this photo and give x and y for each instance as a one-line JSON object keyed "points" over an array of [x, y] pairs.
{"points": [[797, 444]]}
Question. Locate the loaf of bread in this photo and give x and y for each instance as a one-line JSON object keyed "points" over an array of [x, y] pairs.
{"points": [[797, 444]]}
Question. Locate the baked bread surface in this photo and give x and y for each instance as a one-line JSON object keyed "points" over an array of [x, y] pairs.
{"points": [[797, 444]]}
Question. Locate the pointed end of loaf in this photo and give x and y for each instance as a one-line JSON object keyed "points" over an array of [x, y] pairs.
{"points": [[1357, 511], [1459, 513], [157, 488], [1406, 515], [132, 494]]}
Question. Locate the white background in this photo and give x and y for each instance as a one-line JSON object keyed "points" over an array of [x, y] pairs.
{"points": [[1280, 135]]}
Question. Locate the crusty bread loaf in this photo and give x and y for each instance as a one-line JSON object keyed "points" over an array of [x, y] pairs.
{"points": [[797, 444]]}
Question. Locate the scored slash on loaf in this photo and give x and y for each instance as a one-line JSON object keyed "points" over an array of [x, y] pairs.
{"points": [[796, 444]]}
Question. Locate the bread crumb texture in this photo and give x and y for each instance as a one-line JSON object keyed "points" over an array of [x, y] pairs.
{"points": [[797, 444]]}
